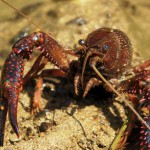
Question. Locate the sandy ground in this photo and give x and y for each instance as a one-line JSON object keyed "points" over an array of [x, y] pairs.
{"points": [[70, 122]]}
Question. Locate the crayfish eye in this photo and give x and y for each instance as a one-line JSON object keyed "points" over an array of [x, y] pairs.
{"points": [[105, 48], [82, 42]]}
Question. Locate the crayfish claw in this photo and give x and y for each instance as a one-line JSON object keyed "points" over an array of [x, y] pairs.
{"points": [[13, 117], [12, 79]]}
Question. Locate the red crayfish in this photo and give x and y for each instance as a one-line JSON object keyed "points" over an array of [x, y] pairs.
{"points": [[105, 50], [137, 89]]}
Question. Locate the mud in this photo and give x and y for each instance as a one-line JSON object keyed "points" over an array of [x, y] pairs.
{"points": [[70, 122]]}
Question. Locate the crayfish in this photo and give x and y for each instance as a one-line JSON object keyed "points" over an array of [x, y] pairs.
{"points": [[105, 51]]}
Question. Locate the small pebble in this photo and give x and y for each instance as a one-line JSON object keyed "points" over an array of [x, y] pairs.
{"points": [[45, 126], [13, 138]]}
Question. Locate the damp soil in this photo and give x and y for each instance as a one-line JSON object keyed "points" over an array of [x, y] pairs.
{"points": [[67, 121]]}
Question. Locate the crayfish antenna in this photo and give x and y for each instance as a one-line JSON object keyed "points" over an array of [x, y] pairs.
{"points": [[125, 101], [25, 16], [84, 65]]}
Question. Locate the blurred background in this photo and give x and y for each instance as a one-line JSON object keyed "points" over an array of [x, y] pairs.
{"points": [[70, 20]]}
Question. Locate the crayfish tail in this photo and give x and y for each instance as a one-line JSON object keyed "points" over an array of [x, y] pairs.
{"points": [[3, 114]]}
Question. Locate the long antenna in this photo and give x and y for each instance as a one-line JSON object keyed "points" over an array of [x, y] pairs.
{"points": [[94, 68], [126, 102], [22, 14]]}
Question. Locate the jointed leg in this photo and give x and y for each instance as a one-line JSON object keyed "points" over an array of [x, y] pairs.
{"points": [[77, 82], [142, 66], [90, 84], [36, 103], [37, 66]]}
